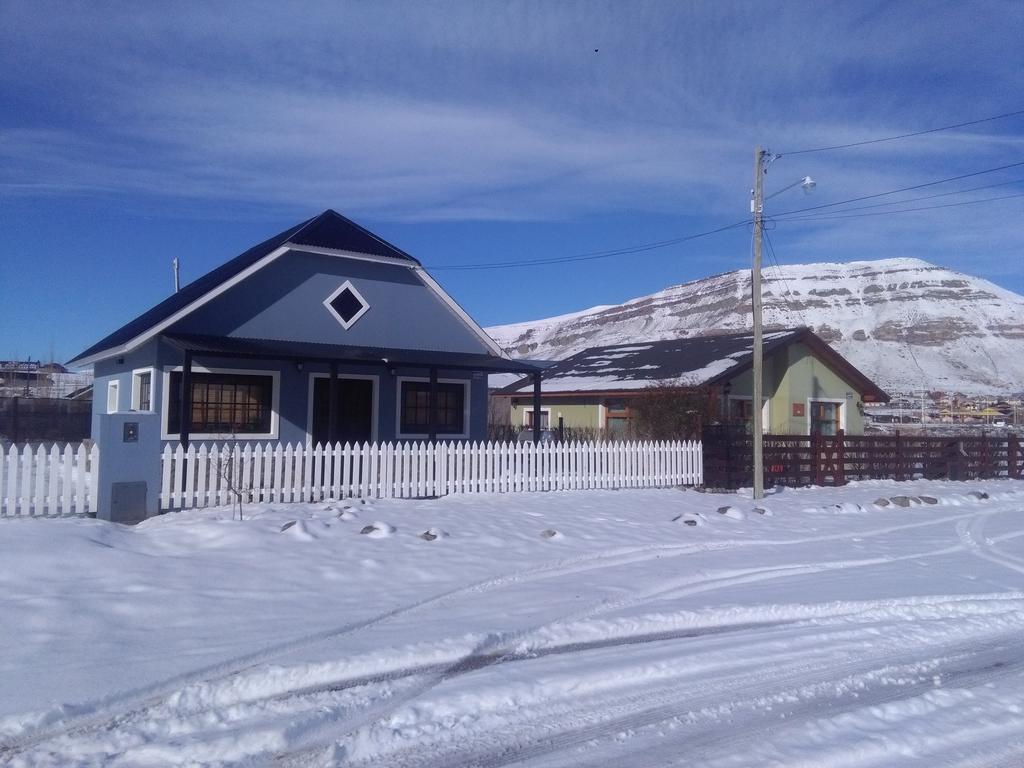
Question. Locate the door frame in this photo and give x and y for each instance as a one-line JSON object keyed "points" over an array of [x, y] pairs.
{"points": [[835, 401], [375, 408]]}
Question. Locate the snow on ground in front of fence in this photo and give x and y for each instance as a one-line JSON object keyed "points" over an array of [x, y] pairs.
{"points": [[640, 627]]}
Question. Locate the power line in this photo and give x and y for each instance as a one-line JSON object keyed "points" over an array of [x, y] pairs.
{"points": [[594, 254], [782, 275], [843, 215], [930, 197], [901, 189], [644, 247], [905, 135]]}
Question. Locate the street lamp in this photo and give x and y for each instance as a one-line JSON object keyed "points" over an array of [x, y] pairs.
{"points": [[762, 159]]}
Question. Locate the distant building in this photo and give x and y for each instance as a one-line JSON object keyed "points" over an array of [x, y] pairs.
{"points": [[809, 387]]}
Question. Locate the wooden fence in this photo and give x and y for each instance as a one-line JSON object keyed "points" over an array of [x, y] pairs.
{"points": [[31, 419], [797, 460], [47, 483], [273, 473]]}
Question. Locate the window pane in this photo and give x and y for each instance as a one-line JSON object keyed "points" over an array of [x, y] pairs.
{"points": [[416, 407], [223, 404], [144, 385]]}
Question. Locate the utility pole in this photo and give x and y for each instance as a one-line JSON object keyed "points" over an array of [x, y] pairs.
{"points": [[177, 282], [757, 208]]}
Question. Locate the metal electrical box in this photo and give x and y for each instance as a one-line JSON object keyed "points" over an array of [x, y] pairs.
{"points": [[128, 502]]}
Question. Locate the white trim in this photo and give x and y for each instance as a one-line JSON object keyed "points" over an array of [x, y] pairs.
{"points": [[841, 402], [602, 416], [137, 390], [321, 251], [460, 312], [213, 293], [376, 401], [275, 404], [529, 409], [113, 394], [399, 434], [347, 286]]}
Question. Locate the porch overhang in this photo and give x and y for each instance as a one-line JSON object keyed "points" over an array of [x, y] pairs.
{"points": [[305, 352], [193, 346]]}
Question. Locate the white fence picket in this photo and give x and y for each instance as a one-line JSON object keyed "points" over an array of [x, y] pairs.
{"points": [[61, 481]]}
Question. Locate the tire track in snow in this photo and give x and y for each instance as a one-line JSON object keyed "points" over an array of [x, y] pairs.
{"points": [[749, 726], [972, 534], [501, 648], [109, 712], [965, 664]]}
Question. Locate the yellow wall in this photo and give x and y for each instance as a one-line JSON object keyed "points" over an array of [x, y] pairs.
{"points": [[791, 375], [576, 411], [805, 378]]}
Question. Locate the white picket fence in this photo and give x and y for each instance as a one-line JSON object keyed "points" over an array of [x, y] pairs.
{"points": [[47, 483], [210, 475]]}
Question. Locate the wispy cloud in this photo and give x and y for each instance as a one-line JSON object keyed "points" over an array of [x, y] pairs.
{"points": [[518, 111]]}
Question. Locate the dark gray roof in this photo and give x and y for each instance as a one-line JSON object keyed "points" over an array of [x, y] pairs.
{"points": [[229, 346], [328, 230], [693, 361]]}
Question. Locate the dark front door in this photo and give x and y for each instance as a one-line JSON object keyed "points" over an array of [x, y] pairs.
{"points": [[353, 410]]}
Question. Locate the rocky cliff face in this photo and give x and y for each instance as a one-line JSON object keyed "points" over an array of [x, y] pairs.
{"points": [[905, 323]]}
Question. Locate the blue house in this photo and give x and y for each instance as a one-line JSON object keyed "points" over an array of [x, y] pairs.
{"points": [[323, 333]]}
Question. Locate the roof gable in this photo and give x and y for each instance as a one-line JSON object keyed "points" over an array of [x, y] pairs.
{"points": [[329, 230], [289, 300]]}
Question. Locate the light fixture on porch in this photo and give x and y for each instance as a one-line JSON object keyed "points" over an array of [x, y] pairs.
{"points": [[298, 366]]}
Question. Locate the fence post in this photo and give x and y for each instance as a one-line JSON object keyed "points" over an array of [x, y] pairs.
{"points": [[840, 472], [14, 420], [988, 465]]}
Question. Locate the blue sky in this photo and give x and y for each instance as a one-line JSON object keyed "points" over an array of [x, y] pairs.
{"points": [[474, 132]]}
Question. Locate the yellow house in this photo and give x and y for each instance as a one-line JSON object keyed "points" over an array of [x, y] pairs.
{"points": [[808, 386]]}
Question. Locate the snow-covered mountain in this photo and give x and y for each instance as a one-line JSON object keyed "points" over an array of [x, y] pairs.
{"points": [[904, 322]]}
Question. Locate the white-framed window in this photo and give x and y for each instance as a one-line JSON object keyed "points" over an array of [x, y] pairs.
{"points": [[346, 304], [112, 389], [142, 389], [412, 418], [226, 403], [825, 416], [545, 417]]}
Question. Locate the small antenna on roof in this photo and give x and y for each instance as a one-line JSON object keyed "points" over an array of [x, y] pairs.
{"points": [[177, 282]]}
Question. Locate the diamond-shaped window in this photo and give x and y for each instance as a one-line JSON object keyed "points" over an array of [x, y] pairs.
{"points": [[346, 304]]}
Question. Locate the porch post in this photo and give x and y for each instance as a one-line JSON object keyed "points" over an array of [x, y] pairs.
{"points": [[432, 406], [536, 407], [332, 405], [185, 401]]}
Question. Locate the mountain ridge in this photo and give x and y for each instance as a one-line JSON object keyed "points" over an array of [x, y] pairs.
{"points": [[906, 323]]}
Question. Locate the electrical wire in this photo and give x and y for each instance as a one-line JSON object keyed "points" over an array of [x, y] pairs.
{"points": [[594, 254], [901, 189], [904, 135], [769, 222], [843, 215], [782, 276], [931, 197]]}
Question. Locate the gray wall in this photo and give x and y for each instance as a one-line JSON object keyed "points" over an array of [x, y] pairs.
{"points": [[293, 397], [284, 300]]}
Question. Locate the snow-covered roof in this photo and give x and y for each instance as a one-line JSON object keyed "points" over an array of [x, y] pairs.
{"points": [[688, 362]]}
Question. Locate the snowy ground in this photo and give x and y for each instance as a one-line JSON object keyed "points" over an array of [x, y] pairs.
{"points": [[584, 629]]}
